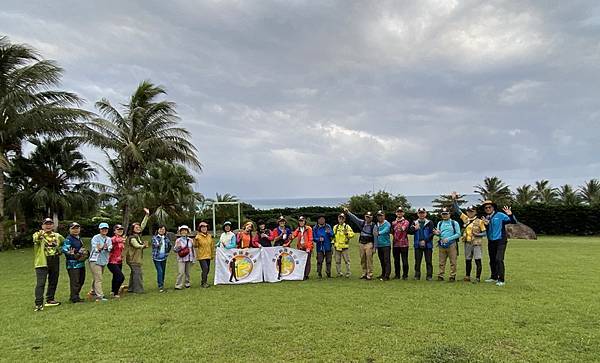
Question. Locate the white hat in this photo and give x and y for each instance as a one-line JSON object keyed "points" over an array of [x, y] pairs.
{"points": [[183, 227]]}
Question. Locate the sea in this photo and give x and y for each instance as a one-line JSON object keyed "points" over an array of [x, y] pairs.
{"points": [[416, 201]]}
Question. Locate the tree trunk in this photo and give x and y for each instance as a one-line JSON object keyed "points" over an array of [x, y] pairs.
{"points": [[125, 219], [55, 219], [15, 219]]}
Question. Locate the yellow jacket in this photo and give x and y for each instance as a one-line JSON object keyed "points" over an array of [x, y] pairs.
{"points": [[342, 233], [203, 246]]}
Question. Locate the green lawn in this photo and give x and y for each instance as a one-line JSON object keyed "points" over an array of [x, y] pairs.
{"points": [[548, 311]]}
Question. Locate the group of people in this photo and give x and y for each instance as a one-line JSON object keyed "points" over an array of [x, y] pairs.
{"points": [[377, 235]]}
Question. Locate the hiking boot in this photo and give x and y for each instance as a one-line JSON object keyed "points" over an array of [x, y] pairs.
{"points": [[500, 283], [491, 280], [467, 278], [51, 303], [429, 278], [440, 278], [39, 308], [90, 296], [452, 279]]}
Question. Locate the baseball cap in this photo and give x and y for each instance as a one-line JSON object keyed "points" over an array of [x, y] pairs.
{"points": [[117, 227], [281, 218], [184, 227], [368, 214], [342, 215], [380, 213], [421, 210], [74, 224], [301, 218], [399, 209], [103, 225], [445, 211], [471, 208], [48, 221]]}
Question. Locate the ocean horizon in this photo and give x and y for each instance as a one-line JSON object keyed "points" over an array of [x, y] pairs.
{"points": [[416, 201]]}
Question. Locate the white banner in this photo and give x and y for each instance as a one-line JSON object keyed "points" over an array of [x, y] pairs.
{"points": [[282, 263], [237, 266]]}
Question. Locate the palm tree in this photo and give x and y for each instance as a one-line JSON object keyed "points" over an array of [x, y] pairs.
{"points": [[590, 192], [168, 190], [494, 189], [57, 177], [143, 132], [29, 106], [545, 193], [525, 195], [568, 196], [447, 201]]}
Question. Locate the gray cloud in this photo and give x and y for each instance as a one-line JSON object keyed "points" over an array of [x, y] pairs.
{"points": [[332, 97]]}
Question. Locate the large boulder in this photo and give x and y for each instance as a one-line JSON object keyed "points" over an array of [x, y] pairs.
{"points": [[520, 231]]}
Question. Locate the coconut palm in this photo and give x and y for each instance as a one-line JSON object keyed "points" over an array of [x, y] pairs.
{"points": [[447, 201], [568, 196], [545, 193], [57, 178], [590, 192], [525, 195], [168, 190], [494, 189], [29, 104], [142, 132]]}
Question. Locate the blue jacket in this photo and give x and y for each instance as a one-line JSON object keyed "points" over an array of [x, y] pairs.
{"points": [[71, 259], [495, 228], [156, 256], [319, 232], [424, 233], [450, 230], [100, 257], [383, 235]]}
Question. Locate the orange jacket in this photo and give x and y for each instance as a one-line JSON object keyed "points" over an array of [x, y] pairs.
{"points": [[245, 240], [308, 239]]}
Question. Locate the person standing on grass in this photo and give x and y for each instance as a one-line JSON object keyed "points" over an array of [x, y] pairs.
{"points": [[400, 250], [282, 233], [322, 235], [184, 246], [496, 234], [422, 229], [448, 231], [115, 262], [135, 255], [264, 234], [203, 245], [161, 246], [228, 240], [99, 255], [47, 247], [246, 238], [342, 233], [366, 242], [473, 232], [304, 234], [383, 245], [75, 254]]}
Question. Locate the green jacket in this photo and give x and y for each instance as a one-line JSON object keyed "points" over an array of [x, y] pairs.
{"points": [[135, 247], [44, 245]]}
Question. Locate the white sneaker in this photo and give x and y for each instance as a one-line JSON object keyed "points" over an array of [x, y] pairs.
{"points": [[491, 280], [500, 283]]}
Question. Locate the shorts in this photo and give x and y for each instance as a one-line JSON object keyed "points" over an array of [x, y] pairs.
{"points": [[472, 251]]}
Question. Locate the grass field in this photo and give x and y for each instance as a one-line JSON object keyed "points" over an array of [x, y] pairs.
{"points": [[549, 310]]}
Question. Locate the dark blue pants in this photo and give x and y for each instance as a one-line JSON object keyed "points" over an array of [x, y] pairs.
{"points": [[161, 266]]}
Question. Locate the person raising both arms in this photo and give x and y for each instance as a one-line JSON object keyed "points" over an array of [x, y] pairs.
{"points": [[497, 240]]}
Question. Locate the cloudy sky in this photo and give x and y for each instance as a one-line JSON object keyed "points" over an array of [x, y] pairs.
{"points": [[332, 98]]}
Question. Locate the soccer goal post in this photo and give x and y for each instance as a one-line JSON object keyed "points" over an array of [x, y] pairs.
{"points": [[214, 216]]}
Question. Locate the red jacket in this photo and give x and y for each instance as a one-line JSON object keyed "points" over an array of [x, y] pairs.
{"points": [[245, 240], [116, 254], [308, 239]]}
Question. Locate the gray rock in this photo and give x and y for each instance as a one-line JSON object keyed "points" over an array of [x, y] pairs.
{"points": [[520, 231]]}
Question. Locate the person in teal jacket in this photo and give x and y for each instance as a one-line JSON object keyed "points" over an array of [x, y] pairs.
{"points": [[383, 245], [448, 231], [75, 254]]}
